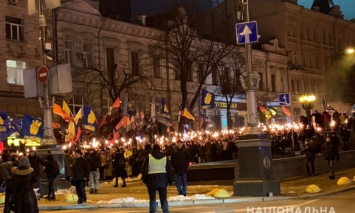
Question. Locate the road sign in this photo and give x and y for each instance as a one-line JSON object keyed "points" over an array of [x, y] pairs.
{"points": [[247, 32], [42, 74], [284, 99]]}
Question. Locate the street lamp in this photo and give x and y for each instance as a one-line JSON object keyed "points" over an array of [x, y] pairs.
{"points": [[350, 50], [307, 104]]}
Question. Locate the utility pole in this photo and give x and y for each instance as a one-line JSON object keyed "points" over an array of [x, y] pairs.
{"points": [[254, 149], [252, 81], [46, 104]]}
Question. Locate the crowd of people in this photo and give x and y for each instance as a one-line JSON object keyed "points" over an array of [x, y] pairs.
{"points": [[160, 164]]}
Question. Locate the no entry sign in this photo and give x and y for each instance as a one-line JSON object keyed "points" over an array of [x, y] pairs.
{"points": [[42, 74]]}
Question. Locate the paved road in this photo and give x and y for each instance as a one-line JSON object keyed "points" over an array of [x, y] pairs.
{"points": [[336, 203]]}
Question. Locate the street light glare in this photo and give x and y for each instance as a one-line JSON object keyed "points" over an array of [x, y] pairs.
{"points": [[307, 98], [350, 50]]}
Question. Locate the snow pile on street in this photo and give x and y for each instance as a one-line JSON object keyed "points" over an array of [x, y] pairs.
{"points": [[193, 197], [129, 200], [125, 200], [63, 191]]}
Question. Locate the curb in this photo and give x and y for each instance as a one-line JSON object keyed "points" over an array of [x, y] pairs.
{"points": [[190, 202]]}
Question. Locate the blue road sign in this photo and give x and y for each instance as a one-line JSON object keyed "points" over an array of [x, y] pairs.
{"points": [[247, 32], [284, 99]]}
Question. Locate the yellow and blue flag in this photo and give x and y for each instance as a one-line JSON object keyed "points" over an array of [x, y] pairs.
{"points": [[165, 113], [32, 128], [207, 99], [6, 128], [89, 119]]}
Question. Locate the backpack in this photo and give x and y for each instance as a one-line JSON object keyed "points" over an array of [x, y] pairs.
{"points": [[55, 168], [5, 170]]}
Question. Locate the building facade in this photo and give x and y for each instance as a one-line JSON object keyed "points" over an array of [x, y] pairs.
{"points": [[313, 42], [94, 45]]}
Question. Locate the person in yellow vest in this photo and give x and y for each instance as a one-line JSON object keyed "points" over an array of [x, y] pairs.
{"points": [[157, 174]]}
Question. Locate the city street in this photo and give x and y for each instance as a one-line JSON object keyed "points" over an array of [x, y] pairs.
{"points": [[339, 203]]}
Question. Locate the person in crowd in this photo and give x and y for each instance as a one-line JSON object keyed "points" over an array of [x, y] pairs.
{"points": [[157, 174], [128, 155], [180, 163], [81, 171], [6, 174], [22, 146], [137, 166], [36, 162], [310, 153], [5, 156], [23, 179], [51, 175], [94, 176], [108, 165], [119, 167], [103, 164], [329, 152], [68, 162], [208, 150], [345, 137], [86, 156]]}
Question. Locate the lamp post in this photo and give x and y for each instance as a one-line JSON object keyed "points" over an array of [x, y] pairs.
{"points": [[307, 104], [255, 176]]}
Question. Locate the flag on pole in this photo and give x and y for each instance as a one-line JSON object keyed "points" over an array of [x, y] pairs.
{"points": [[122, 125], [78, 135], [202, 121], [114, 111], [115, 136], [188, 114], [6, 128], [32, 128], [152, 109], [207, 99], [265, 111], [78, 117], [165, 112], [286, 111], [89, 119]]}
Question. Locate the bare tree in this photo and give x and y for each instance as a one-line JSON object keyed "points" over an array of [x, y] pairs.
{"points": [[183, 47], [115, 80], [229, 74]]}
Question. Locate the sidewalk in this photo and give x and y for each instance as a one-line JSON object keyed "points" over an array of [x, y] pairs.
{"points": [[122, 197]]}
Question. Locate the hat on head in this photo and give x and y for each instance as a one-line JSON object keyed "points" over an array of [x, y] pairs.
{"points": [[24, 162], [179, 141], [13, 156]]}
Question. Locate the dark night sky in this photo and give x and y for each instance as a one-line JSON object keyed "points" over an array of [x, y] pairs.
{"points": [[346, 6]]}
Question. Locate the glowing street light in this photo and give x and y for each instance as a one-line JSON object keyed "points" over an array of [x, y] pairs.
{"points": [[350, 50], [307, 104]]}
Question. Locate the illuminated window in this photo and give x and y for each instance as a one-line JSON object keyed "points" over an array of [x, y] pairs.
{"points": [[15, 72]]}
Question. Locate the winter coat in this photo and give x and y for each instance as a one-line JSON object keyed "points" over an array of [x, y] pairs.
{"points": [[25, 198], [35, 162], [80, 169], [94, 161], [329, 151], [49, 168], [118, 165], [310, 151], [68, 162], [158, 180], [180, 160]]}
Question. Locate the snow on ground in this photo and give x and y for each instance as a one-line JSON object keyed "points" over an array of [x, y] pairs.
{"points": [[172, 198]]}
